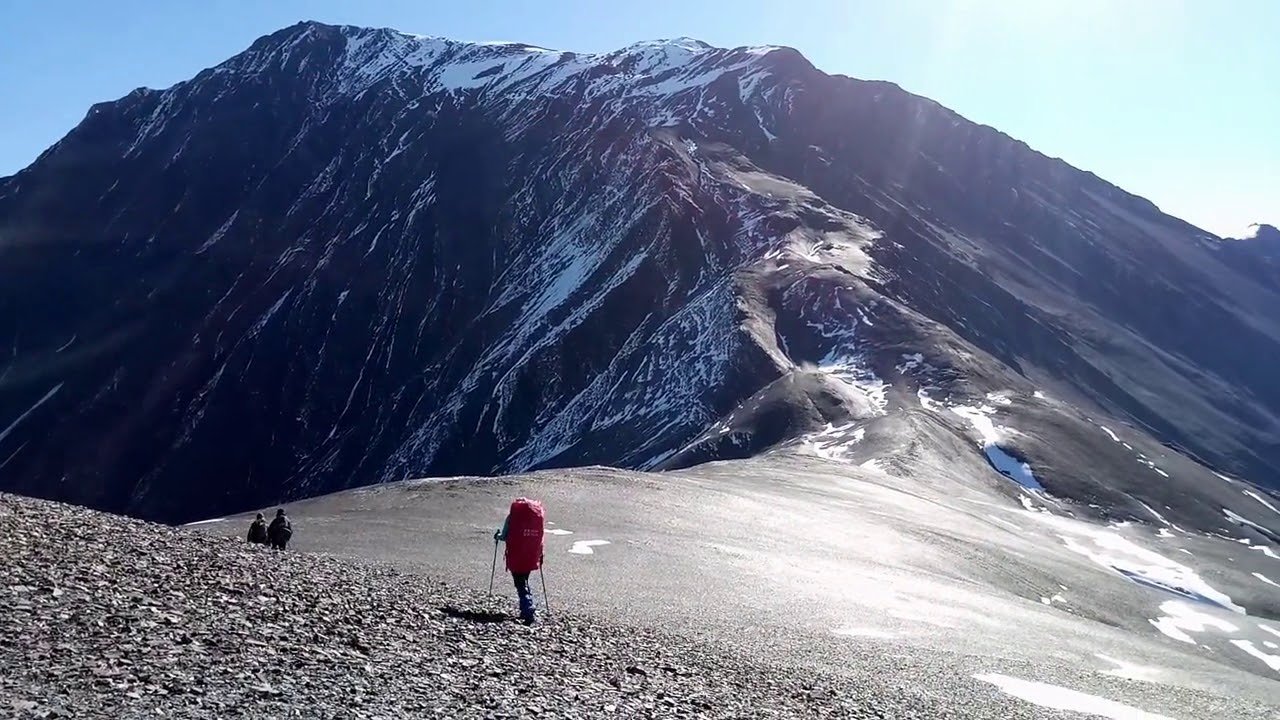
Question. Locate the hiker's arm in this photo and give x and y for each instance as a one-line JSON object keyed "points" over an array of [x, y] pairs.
{"points": [[502, 534]]}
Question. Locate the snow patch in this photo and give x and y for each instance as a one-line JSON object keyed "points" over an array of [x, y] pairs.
{"points": [[1114, 552], [1128, 670], [559, 531], [861, 382], [584, 547], [1006, 464], [1271, 661], [1181, 618], [833, 442], [1060, 698]]}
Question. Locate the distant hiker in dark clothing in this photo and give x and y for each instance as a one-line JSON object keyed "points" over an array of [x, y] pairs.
{"points": [[280, 531], [522, 531], [258, 531]]}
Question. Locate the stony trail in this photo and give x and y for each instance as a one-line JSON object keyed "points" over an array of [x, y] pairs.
{"points": [[110, 617]]}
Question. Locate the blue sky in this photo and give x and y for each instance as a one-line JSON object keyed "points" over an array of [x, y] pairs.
{"points": [[1175, 100]]}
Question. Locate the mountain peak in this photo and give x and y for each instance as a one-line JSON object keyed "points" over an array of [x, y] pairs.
{"points": [[683, 42], [676, 50], [347, 61]]}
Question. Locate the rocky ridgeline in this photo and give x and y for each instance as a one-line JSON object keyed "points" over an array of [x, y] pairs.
{"points": [[103, 616]]}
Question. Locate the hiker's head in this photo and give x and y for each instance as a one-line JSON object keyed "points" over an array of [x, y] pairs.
{"points": [[259, 516], [280, 512]]}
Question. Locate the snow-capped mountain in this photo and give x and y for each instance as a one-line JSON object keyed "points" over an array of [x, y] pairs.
{"points": [[351, 255]]}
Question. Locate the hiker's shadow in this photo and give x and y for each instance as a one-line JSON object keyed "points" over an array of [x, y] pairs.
{"points": [[476, 616]]}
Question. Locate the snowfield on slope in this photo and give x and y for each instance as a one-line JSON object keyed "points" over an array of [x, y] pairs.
{"points": [[846, 563]]}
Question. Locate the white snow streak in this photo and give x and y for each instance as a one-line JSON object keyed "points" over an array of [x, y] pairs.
{"points": [[1262, 500], [1266, 579], [1158, 516], [1060, 698], [1244, 522], [218, 234], [1265, 551], [5, 433]]}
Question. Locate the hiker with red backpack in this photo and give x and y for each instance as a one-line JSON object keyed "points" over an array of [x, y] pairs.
{"points": [[522, 532]]}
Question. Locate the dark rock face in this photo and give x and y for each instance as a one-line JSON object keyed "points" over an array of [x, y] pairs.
{"points": [[347, 256]]}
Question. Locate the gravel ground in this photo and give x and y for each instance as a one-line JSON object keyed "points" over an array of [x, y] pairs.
{"points": [[103, 616]]}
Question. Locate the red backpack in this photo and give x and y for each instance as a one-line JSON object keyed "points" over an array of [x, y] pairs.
{"points": [[524, 536]]}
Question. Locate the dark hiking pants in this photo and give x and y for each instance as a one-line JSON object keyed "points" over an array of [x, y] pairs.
{"points": [[525, 595]]}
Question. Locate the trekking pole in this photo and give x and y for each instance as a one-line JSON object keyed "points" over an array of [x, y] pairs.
{"points": [[546, 603], [493, 569]]}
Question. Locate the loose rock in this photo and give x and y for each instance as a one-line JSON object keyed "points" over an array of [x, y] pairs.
{"points": [[110, 617]]}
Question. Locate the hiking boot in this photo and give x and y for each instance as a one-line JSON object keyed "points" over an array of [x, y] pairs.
{"points": [[526, 608]]}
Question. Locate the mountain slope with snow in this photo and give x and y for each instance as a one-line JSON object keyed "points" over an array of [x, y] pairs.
{"points": [[347, 256]]}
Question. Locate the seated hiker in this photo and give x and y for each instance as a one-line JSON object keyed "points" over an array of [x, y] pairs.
{"points": [[522, 531], [258, 531], [280, 530]]}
